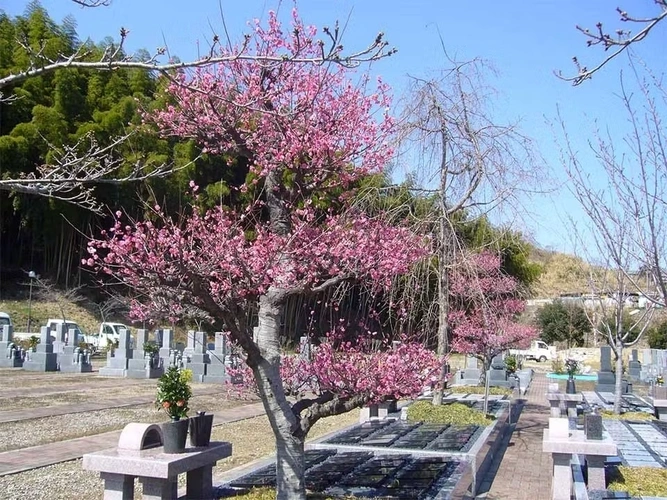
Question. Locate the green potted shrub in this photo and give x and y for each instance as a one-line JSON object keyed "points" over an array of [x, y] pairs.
{"points": [[173, 396]]}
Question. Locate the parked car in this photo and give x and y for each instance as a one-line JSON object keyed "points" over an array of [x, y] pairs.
{"points": [[108, 332], [539, 351]]}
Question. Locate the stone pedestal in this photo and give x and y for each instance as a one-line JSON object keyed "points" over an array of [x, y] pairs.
{"points": [[565, 405], [376, 412], [157, 471], [562, 449], [10, 354], [43, 359], [471, 375]]}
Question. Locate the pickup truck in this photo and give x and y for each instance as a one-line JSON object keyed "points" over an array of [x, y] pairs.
{"points": [[539, 351], [108, 332]]}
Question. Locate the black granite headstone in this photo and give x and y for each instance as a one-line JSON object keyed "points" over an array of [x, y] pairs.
{"points": [[593, 427]]}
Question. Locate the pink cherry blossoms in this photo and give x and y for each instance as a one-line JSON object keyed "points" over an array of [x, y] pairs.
{"points": [[213, 252], [305, 117], [486, 305]]}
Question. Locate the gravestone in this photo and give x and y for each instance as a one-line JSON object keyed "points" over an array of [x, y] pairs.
{"points": [[216, 371], [645, 373], [118, 362], [199, 359], [497, 373], [73, 359], [10, 353], [190, 347], [141, 364], [471, 374], [634, 367], [165, 339], [60, 338], [606, 375], [43, 359]]}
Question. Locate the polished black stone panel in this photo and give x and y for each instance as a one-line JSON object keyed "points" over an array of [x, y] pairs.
{"points": [[364, 475]]}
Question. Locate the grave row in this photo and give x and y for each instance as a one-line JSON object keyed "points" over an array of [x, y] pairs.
{"points": [[49, 355], [206, 365]]}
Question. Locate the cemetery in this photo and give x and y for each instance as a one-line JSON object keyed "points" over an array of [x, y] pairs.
{"points": [[387, 454], [359, 273]]}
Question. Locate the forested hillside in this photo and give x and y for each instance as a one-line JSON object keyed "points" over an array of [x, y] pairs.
{"points": [[73, 108], [77, 108]]}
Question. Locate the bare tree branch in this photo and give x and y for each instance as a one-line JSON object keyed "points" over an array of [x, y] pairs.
{"points": [[93, 3], [617, 43], [77, 169], [114, 58]]}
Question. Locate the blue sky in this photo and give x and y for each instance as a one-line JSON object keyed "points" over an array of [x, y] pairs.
{"points": [[526, 41]]}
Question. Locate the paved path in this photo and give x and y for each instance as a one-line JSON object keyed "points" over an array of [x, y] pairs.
{"points": [[523, 472], [24, 459]]}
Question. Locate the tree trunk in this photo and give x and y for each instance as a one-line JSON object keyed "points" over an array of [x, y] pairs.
{"points": [[290, 472], [619, 377], [487, 367], [444, 258]]}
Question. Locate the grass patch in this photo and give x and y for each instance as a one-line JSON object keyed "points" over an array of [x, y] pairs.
{"points": [[629, 415], [639, 481], [453, 414], [270, 494], [475, 389]]}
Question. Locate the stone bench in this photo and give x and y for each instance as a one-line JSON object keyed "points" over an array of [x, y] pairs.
{"points": [[140, 454], [563, 447]]}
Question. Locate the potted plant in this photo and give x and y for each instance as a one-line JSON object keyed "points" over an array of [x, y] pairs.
{"points": [[173, 395], [510, 363], [151, 349], [571, 367]]}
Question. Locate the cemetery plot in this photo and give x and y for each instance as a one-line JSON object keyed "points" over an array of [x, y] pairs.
{"points": [[367, 475], [639, 444], [398, 434]]}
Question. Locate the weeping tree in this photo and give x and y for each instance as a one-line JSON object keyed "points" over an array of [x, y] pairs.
{"points": [[448, 139], [485, 306]]}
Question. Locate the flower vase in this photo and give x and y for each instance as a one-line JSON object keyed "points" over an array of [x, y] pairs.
{"points": [[200, 429], [175, 434], [570, 387]]}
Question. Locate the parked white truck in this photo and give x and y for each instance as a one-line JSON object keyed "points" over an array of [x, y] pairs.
{"points": [[109, 332], [539, 351]]}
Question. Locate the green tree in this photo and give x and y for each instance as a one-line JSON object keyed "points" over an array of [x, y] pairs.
{"points": [[657, 336], [563, 322]]}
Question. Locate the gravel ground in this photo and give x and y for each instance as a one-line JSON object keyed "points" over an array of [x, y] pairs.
{"points": [[25, 433], [251, 439]]}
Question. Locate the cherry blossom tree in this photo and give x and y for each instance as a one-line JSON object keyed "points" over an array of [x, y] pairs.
{"points": [[306, 133], [485, 307]]}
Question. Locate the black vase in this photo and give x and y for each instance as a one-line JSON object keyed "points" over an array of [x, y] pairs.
{"points": [[175, 434], [570, 387], [200, 429]]}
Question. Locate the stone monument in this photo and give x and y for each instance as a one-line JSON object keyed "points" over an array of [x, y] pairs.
{"points": [[118, 362], [43, 359], [606, 375], [10, 353]]}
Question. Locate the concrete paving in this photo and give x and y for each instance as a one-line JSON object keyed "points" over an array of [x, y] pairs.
{"points": [[523, 472]]}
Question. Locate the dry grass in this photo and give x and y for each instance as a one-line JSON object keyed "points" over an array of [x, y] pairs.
{"points": [[41, 311], [252, 439]]}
